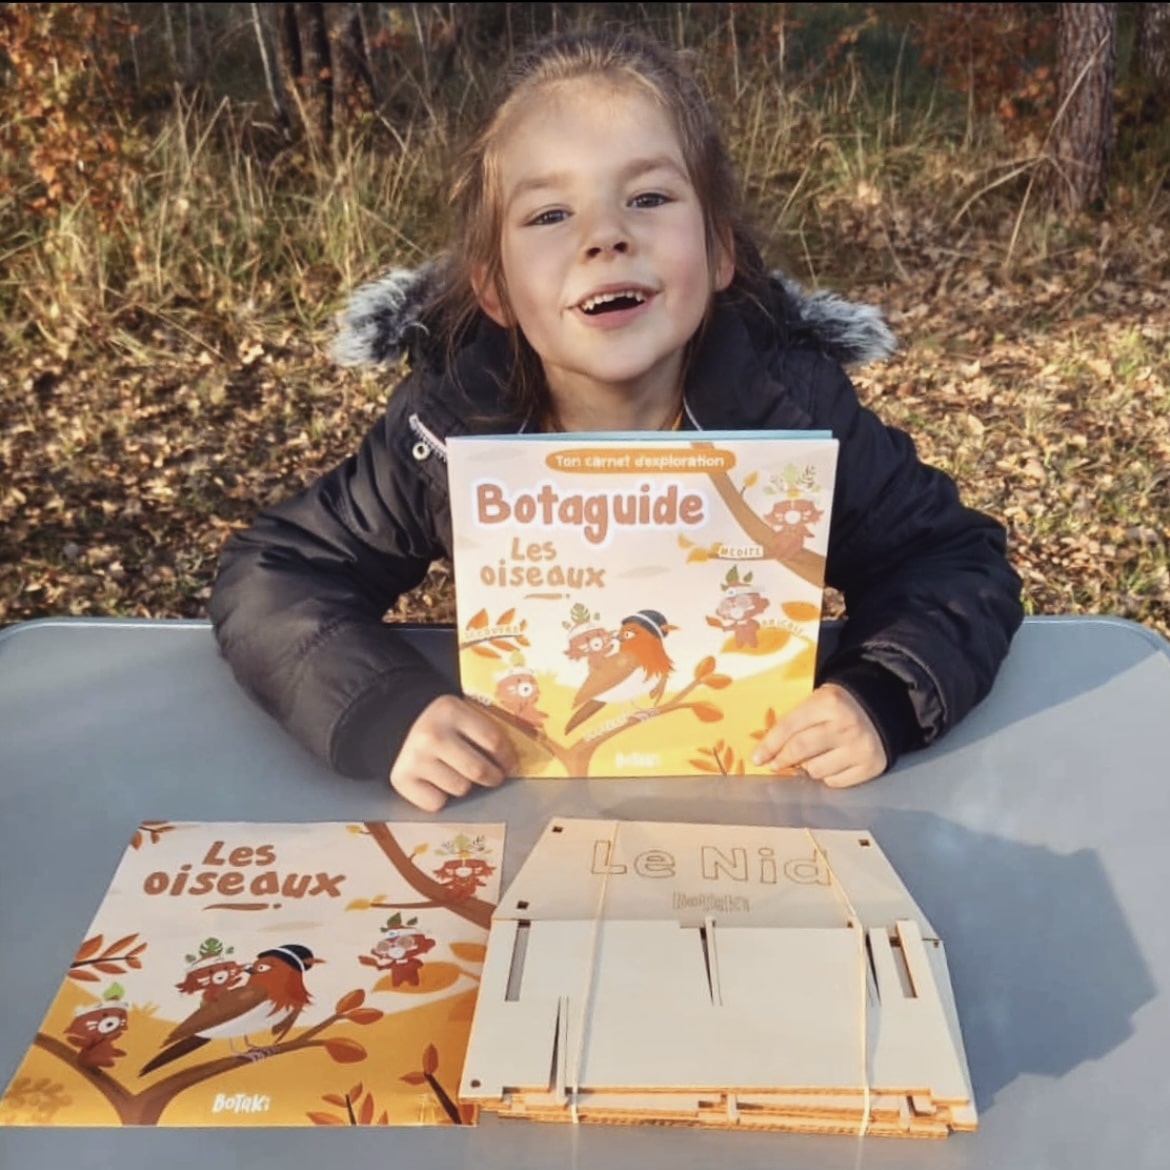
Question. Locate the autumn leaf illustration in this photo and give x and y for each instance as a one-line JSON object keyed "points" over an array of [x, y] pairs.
{"points": [[111, 959], [469, 952], [344, 1051], [801, 611], [364, 1016], [350, 1001], [707, 712], [151, 831], [360, 1108], [89, 948]]}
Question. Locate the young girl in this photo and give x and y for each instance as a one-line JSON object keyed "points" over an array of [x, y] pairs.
{"points": [[601, 280]]}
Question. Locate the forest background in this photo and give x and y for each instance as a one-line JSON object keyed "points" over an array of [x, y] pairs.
{"points": [[188, 193]]}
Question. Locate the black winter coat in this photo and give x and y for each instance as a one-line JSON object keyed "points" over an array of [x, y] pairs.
{"points": [[932, 603]]}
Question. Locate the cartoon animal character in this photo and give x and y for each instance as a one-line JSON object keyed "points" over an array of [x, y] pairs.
{"points": [[518, 692], [638, 666], [273, 997], [462, 876], [737, 611], [588, 638], [398, 952], [794, 518], [93, 1030], [210, 973]]}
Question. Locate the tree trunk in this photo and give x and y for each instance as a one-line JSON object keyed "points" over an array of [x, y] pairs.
{"points": [[308, 61], [1083, 133], [355, 78], [1151, 47], [272, 76], [318, 60]]}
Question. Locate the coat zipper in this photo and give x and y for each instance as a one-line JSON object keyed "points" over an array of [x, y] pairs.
{"points": [[428, 442]]}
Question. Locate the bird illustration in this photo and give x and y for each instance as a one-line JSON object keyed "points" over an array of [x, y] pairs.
{"points": [[272, 997], [639, 665]]}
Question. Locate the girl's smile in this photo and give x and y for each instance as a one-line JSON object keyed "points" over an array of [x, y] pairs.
{"points": [[603, 250], [614, 306]]}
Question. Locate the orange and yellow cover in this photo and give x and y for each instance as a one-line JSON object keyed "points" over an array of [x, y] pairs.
{"points": [[642, 604], [271, 974]]}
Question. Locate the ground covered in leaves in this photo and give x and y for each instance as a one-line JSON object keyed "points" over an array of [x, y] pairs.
{"points": [[1041, 383]]}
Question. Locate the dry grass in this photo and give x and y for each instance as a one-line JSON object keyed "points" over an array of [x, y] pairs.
{"points": [[165, 378]]}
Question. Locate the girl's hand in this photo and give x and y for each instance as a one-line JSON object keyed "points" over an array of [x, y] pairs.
{"points": [[449, 747], [829, 737]]}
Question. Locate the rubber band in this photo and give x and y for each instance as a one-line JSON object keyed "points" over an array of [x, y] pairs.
{"points": [[862, 965], [574, 1087]]}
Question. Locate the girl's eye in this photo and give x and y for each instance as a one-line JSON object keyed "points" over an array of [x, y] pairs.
{"points": [[555, 215], [650, 199]]}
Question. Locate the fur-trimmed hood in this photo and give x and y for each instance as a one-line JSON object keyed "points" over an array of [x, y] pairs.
{"points": [[382, 321]]}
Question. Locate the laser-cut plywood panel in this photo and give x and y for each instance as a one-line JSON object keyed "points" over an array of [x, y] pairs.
{"points": [[734, 976]]}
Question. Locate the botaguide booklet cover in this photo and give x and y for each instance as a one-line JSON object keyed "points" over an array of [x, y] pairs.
{"points": [[271, 974], [639, 604]]}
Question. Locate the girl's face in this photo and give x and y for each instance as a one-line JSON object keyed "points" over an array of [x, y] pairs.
{"points": [[603, 246]]}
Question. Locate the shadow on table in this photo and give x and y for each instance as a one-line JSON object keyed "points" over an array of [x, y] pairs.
{"points": [[1045, 969], [1052, 662]]}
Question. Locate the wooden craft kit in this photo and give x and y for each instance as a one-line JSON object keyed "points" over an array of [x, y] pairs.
{"points": [[712, 975]]}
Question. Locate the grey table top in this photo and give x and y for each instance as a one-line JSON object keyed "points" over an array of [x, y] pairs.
{"points": [[1033, 837]]}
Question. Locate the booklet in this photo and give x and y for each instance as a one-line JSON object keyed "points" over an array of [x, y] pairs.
{"points": [[271, 974], [644, 604]]}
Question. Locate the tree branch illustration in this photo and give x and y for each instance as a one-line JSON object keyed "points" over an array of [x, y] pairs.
{"points": [[474, 910], [117, 1095], [777, 546], [146, 1107], [574, 757], [427, 1075], [108, 961]]}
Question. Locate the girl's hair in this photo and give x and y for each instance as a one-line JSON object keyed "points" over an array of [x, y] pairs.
{"points": [[625, 59]]}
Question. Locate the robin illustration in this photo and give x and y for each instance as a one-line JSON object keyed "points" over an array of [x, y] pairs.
{"points": [[638, 666], [273, 997]]}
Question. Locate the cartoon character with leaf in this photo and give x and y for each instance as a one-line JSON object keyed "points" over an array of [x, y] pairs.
{"points": [[796, 513], [739, 607], [588, 638], [212, 971], [95, 1027], [463, 873], [398, 952]]}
